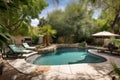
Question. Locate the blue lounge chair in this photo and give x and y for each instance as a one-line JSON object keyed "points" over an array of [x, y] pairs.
{"points": [[26, 46], [17, 50]]}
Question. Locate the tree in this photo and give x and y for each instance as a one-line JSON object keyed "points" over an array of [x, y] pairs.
{"points": [[24, 30], [58, 22], [47, 31], [74, 21], [110, 6], [14, 12], [42, 22], [104, 21], [4, 36]]}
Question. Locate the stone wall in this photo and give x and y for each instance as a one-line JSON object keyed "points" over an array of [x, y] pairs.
{"points": [[18, 39], [67, 45], [53, 48]]}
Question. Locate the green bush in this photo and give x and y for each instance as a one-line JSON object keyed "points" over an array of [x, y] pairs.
{"points": [[35, 39], [60, 41], [116, 69], [83, 44]]}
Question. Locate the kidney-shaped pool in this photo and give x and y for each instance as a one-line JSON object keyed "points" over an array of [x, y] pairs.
{"points": [[64, 56]]}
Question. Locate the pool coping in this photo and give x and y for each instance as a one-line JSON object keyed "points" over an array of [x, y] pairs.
{"points": [[72, 71]]}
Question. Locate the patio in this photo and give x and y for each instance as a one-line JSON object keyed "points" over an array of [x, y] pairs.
{"points": [[85, 71], [47, 22]]}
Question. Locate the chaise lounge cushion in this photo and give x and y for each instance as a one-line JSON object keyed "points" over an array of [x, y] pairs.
{"points": [[17, 50], [102, 49], [28, 47]]}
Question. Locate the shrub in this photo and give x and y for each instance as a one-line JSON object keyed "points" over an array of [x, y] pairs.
{"points": [[60, 41], [83, 44], [116, 69], [35, 39]]}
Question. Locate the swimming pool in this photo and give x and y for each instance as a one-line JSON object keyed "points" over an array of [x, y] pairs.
{"points": [[64, 56]]}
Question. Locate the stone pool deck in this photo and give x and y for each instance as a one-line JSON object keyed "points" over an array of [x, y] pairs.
{"points": [[84, 71]]}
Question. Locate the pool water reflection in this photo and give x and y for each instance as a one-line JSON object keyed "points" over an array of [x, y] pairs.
{"points": [[68, 56]]}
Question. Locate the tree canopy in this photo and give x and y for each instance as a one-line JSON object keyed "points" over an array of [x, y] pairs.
{"points": [[4, 36], [14, 12], [111, 7], [47, 31], [74, 21]]}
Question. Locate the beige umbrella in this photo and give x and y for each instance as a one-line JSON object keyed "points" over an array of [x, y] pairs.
{"points": [[105, 34]]}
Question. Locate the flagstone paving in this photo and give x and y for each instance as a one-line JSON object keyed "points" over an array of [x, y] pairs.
{"points": [[84, 71]]}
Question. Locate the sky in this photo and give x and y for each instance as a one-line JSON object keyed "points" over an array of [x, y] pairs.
{"points": [[97, 13], [52, 6]]}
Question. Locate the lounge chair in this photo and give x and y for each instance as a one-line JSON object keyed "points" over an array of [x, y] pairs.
{"points": [[117, 50], [113, 48], [102, 49], [26, 46], [17, 51]]}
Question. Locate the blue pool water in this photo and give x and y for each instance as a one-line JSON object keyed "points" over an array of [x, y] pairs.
{"points": [[68, 56]]}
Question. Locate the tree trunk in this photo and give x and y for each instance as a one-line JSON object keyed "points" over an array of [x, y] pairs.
{"points": [[118, 25], [47, 40], [114, 22]]}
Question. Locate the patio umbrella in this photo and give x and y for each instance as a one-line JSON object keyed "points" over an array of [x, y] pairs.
{"points": [[105, 34]]}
